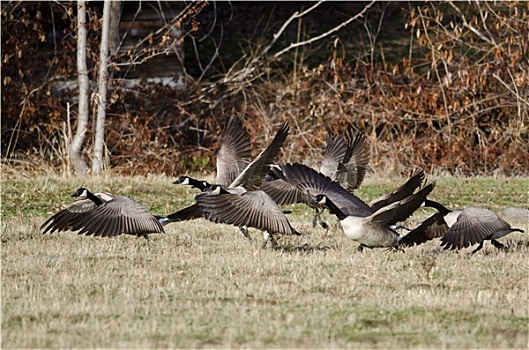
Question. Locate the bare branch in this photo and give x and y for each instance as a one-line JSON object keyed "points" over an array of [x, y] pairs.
{"points": [[327, 33]]}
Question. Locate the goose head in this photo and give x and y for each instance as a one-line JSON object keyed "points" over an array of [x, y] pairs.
{"points": [[81, 192], [183, 180], [320, 199]]}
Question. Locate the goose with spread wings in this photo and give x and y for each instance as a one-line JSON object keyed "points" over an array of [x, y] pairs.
{"points": [[243, 187], [369, 227], [344, 160], [102, 214], [472, 225]]}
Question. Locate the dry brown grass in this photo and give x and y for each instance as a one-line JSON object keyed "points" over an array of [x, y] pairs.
{"points": [[202, 285]]}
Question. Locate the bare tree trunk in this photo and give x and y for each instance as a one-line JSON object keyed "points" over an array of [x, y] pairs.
{"points": [[76, 158], [99, 143], [113, 35]]}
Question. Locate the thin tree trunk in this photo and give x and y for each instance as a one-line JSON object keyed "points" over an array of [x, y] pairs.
{"points": [[76, 158], [99, 143], [113, 35]]}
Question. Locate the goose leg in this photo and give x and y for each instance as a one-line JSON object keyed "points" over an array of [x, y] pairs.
{"points": [[497, 244], [274, 242], [478, 248], [326, 228], [245, 232], [361, 248], [267, 236], [316, 218]]}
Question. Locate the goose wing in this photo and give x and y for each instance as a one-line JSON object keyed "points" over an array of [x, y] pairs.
{"points": [[332, 157], [432, 227], [401, 192], [62, 220], [235, 152], [253, 176], [252, 209], [352, 169], [117, 216], [403, 209], [311, 182], [188, 213], [473, 225], [284, 193]]}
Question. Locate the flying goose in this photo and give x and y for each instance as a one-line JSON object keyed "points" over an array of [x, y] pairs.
{"points": [[245, 209], [374, 231], [102, 214], [473, 225], [344, 161], [360, 222], [248, 179], [347, 166]]}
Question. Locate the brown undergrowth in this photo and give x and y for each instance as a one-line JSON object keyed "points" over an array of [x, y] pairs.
{"points": [[455, 100]]}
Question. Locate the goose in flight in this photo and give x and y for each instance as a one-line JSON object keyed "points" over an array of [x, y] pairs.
{"points": [[245, 184], [102, 214], [344, 161], [472, 225], [245, 209], [370, 228]]}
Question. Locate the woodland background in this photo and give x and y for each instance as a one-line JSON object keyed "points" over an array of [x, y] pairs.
{"points": [[441, 85]]}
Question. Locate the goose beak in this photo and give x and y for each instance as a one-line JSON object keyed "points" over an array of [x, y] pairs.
{"points": [[313, 201]]}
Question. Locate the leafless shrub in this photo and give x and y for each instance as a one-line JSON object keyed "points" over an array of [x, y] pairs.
{"points": [[452, 97]]}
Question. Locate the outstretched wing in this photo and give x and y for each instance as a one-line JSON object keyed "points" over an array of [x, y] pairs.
{"points": [[473, 225], [235, 152], [252, 209], [117, 216], [62, 221]]}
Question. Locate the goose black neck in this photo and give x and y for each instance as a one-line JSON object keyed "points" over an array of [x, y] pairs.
{"points": [[194, 183], [93, 198], [433, 204], [201, 185], [334, 209]]}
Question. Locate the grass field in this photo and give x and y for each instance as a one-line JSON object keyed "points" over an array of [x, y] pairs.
{"points": [[202, 285]]}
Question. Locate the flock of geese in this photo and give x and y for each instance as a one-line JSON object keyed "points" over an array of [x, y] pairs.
{"points": [[250, 193]]}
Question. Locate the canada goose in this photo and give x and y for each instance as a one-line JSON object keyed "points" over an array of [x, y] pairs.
{"points": [[234, 168], [344, 161], [374, 231], [286, 193], [104, 215], [473, 225], [248, 180], [359, 221], [244, 209]]}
